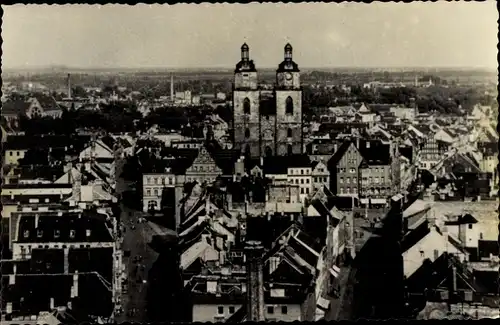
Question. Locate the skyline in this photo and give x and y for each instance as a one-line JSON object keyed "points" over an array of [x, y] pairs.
{"points": [[350, 35]]}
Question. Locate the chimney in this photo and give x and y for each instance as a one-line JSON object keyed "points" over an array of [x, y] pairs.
{"points": [[69, 86], [229, 199], [74, 288], [171, 87], [179, 190], [255, 281], [261, 161], [454, 275], [36, 220], [52, 304]]}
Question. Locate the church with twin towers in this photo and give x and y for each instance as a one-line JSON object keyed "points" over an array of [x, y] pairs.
{"points": [[267, 122]]}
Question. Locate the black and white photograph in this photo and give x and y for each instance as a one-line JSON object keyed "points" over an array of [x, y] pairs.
{"points": [[260, 162]]}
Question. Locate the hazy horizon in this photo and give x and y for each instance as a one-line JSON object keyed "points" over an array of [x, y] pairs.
{"points": [[441, 35]]}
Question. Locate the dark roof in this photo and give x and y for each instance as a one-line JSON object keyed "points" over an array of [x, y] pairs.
{"points": [[47, 102], [339, 153], [245, 66], [108, 141], [32, 293], [414, 236], [71, 143], [487, 247], [303, 252], [15, 107], [380, 108], [315, 242], [53, 227], [376, 154], [279, 164], [288, 66], [462, 220], [49, 173], [406, 151], [343, 203]]}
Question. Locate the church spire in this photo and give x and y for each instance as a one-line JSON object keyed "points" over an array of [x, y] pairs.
{"points": [[245, 52], [288, 52]]}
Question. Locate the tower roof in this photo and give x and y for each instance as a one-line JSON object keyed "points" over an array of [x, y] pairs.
{"points": [[245, 46], [288, 47]]}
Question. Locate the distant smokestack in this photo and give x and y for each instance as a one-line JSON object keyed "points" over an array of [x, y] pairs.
{"points": [[172, 87], [255, 281], [69, 85]]}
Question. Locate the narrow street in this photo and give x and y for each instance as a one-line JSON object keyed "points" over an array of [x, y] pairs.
{"points": [[138, 262]]}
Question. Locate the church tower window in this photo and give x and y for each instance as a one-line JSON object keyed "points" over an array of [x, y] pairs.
{"points": [[290, 149], [289, 105], [246, 106], [289, 133], [247, 133]]}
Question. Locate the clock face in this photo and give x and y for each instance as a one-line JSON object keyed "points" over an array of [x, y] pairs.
{"points": [[288, 76]]}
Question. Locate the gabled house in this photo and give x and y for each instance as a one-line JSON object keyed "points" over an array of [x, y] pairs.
{"points": [[320, 175], [428, 241], [344, 169]]}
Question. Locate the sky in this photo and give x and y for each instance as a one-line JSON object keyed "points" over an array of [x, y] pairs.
{"points": [[440, 34]]}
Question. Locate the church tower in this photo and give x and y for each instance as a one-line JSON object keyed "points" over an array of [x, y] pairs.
{"points": [[246, 99], [288, 93]]}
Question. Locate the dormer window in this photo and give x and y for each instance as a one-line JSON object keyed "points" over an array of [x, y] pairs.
{"points": [[72, 234], [56, 233], [88, 232], [26, 233], [39, 233]]}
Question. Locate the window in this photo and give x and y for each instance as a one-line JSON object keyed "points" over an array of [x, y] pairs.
{"points": [[348, 180], [220, 310], [158, 181], [88, 232], [39, 233], [354, 190], [301, 190], [302, 172], [289, 105], [155, 192], [26, 233], [352, 170], [348, 190], [56, 233], [307, 190], [481, 235], [307, 180], [296, 181], [10, 153], [71, 233], [231, 309], [270, 309], [171, 180], [289, 149], [247, 133], [301, 181], [148, 192], [422, 254], [18, 153], [341, 190], [470, 226], [246, 106], [284, 310], [341, 180], [289, 133]]}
